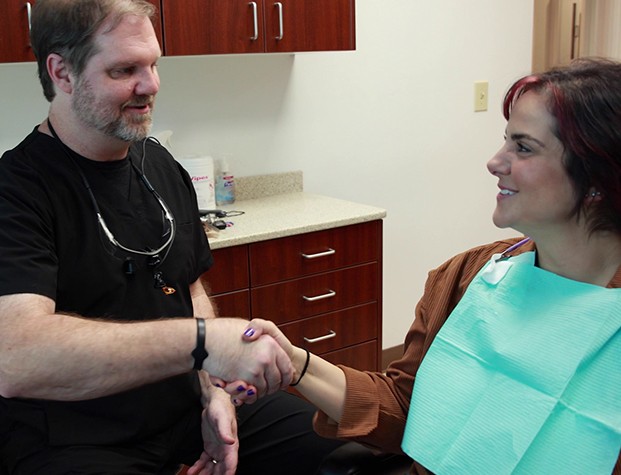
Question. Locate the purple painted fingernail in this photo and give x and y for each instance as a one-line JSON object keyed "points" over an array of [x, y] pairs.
{"points": [[218, 385], [250, 392], [249, 332], [240, 388]]}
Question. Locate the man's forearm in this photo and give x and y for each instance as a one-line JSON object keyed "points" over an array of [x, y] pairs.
{"points": [[61, 357], [66, 358]]}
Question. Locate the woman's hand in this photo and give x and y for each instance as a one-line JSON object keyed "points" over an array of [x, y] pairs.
{"points": [[240, 392]]}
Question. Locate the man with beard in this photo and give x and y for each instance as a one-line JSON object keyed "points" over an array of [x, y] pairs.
{"points": [[107, 333]]}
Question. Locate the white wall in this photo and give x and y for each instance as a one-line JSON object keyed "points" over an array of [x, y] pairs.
{"points": [[390, 125]]}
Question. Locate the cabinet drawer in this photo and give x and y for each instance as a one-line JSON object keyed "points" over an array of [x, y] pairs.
{"points": [[333, 331], [312, 253], [229, 271], [363, 357], [233, 304], [316, 294]]}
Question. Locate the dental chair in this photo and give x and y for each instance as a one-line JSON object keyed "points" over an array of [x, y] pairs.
{"points": [[354, 459]]}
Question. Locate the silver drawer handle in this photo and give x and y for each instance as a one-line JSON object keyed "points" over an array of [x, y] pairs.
{"points": [[331, 293], [281, 32], [329, 252], [255, 22], [332, 334], [29, 15]]}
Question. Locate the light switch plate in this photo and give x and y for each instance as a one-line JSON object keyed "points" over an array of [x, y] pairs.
{"points": [[480, 96]]}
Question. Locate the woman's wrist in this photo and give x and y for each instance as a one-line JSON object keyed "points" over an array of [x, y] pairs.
{"points": [[300, 361]]}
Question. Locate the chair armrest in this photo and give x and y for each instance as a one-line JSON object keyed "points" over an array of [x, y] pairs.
{"points": [[355, 459]]}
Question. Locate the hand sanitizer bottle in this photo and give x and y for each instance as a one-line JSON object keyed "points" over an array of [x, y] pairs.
{"points": [[225, 185]]}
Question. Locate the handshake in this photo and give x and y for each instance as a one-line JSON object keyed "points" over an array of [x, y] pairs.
{"points": [[250, 360]]}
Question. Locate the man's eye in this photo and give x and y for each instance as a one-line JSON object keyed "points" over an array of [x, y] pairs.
{"points": [[119, 72]]}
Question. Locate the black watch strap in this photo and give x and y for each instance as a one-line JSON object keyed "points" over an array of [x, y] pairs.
{"points": [[200, 353]]}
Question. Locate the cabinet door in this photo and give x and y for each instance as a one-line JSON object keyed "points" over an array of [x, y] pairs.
{"points": [[157, 22], [233, 304], [229, 271], [309, 25], [212, 26], [362, 357], [14, 31], [227, 281]]}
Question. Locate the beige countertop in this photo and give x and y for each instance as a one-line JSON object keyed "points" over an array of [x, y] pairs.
{"points": [[286, 214]]}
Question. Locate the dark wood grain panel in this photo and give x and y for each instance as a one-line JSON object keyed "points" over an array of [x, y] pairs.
{"points": [[229, 271], [334, 330], [362, 357], [281, 259], [285, 302], [233, 304]]}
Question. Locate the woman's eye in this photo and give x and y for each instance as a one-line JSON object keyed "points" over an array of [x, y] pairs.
{"points": [[521, 148]]}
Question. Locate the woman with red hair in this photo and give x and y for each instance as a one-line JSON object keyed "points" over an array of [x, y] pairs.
{"points": [[513, 362]]}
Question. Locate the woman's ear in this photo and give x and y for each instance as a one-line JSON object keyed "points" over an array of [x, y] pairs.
{"points": [[59, 72], [593, 195]]}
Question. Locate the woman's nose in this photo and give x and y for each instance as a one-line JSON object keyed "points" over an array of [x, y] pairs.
{"points": [[499, 164]]}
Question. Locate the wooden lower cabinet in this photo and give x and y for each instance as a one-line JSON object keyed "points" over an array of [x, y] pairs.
{"points": [[316, 294], [233, 304], [358, 357], [323, 289], [332, 331]]}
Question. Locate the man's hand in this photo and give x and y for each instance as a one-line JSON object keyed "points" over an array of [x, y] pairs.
{"points": [[258, 327], [242, 391], [260, 361], [220, 442]]}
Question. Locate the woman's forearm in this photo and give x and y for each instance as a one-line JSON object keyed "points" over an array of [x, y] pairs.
{"points": [[323, 384]]}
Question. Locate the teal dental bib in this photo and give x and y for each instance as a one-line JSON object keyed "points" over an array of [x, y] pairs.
{"points": [[523, 378]]}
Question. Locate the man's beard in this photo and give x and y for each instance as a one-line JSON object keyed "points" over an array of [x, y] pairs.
{"points": [[109, 119]]}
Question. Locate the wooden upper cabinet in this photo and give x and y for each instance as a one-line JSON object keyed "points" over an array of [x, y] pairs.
{"points": [[212, 27], [241, 26], [309, 25], [157, 22], [15, 31], [194, 27]]}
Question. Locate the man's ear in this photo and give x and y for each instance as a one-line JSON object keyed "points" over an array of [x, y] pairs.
{"points": [[59, 71]]}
